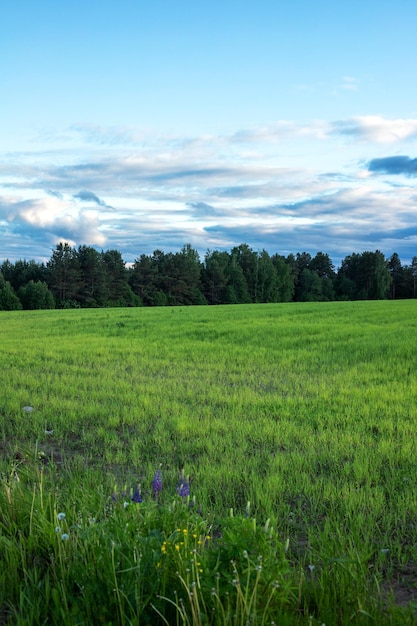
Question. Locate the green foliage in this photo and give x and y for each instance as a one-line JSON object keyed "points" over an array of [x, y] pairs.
{"points": [[215, 276], [85, 278], [98, 560], [168, 279], [369, 275], [36, 296], [92, 290], [284, 279], [22, 271], [116, 289], [64, 274], [8, 298]]}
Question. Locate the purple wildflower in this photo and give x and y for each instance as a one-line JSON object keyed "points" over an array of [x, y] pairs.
{"points": [[137, 495], [157, 482], [183, 486], [185, 489]]}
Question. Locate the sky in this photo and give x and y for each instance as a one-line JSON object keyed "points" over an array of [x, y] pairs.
{"points": [[139, 125]]}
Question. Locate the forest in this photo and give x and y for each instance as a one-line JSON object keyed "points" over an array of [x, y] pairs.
{"points": [[83, 277]]}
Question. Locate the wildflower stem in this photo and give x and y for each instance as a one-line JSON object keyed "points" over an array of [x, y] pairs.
{"points": [[116, 587], [160, 614], [32, 509]]}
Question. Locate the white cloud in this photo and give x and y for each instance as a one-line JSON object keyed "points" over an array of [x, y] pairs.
{"points": [[371, 128], [377, 129], [61, 219]]}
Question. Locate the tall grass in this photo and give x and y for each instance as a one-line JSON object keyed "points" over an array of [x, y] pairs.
{"points": [[306, 411]]}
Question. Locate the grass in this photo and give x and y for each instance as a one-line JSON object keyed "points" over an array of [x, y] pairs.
{"points": [[305, 411]]}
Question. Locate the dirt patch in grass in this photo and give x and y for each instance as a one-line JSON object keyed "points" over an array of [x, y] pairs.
{"points": [[402, 587]]}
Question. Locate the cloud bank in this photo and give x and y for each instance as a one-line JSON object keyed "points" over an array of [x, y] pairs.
{"points": [[286, 187]]}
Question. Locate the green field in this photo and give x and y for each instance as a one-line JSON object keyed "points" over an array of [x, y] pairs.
{"points": [[294, 422]]}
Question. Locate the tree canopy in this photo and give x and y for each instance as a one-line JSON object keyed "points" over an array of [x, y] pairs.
{"points": [[85, 277]]}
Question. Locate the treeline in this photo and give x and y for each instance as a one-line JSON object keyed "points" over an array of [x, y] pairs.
{"points": [[84, 277]]}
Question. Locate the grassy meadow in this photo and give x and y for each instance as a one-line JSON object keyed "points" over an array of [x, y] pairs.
{"points": [[295, 424]]}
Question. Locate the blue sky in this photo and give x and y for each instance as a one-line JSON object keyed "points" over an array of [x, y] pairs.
{"points": [[138, 125]]}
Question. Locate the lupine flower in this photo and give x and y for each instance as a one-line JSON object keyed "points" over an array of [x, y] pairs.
{"points": [[184, 490], [157, 481], [183, 485], [137, 495]]}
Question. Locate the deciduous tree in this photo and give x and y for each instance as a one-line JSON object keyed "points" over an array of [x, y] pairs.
{"points": [[36, 295], [8, 298]]}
